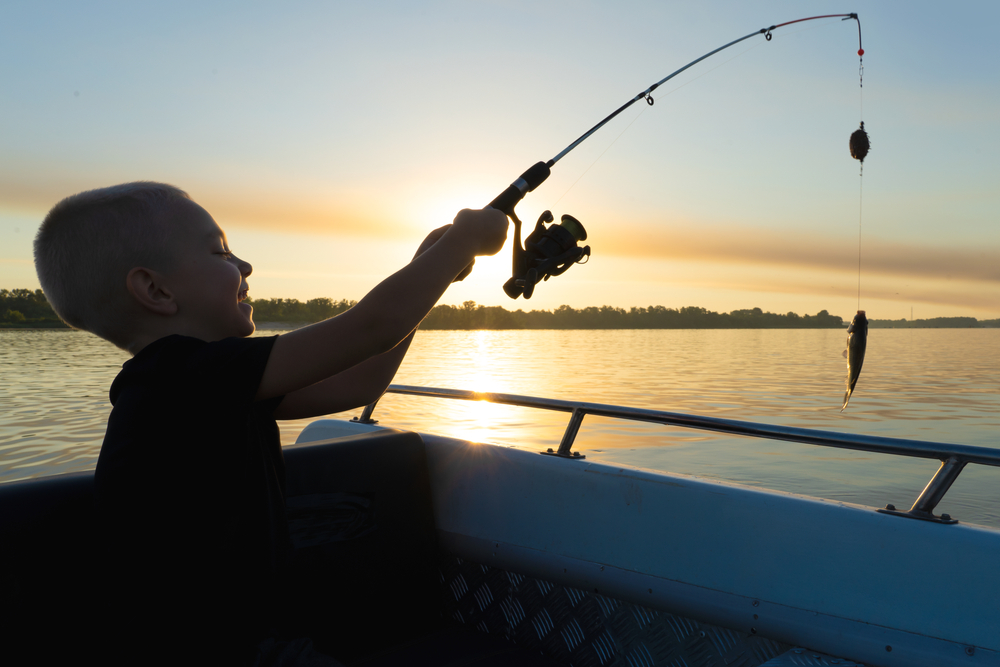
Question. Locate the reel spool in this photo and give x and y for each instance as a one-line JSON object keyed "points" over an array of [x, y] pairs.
{"points": [[548, 251]]}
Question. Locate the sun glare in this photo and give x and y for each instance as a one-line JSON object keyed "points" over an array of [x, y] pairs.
{"points": [[477, 419], [490, 273], [441, 208]]}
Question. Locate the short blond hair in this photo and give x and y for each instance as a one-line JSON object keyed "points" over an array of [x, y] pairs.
{"points": [[89, 242]]}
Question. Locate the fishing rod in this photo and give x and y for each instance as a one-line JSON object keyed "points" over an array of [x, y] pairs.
{"points": [[551, 251]]}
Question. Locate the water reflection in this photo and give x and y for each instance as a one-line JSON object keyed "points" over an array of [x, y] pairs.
{"points": [[939, 385]]}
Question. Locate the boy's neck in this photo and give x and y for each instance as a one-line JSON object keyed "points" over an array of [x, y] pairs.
{"points": [[151, 334]]}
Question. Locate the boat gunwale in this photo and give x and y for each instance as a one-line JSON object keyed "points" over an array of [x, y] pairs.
{"points": [[867, 443]]}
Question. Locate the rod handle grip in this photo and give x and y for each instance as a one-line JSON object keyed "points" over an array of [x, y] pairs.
{"points": [[508, 199], [528, 181]]}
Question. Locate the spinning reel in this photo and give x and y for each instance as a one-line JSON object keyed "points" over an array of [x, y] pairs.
{"points": [[548, 251]]}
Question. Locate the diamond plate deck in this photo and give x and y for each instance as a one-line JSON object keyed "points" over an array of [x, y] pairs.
{"points": [[801, 657], [587, 629]]}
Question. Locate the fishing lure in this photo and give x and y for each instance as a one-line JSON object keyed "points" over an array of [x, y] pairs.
{"points": [[551, 251], [859, 144]]}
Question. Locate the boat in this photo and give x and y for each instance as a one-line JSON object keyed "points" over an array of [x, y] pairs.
{"points": [[416, 548]]}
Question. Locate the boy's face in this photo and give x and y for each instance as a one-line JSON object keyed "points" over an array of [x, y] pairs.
{"points": [[207, 280]]}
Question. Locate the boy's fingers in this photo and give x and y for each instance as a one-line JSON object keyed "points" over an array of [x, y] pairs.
{"points": [[465, 272], [491, 228], [498, 234]]}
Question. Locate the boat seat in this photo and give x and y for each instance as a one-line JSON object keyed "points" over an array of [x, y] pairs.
{"points": [[364, 581], [46, 556]]}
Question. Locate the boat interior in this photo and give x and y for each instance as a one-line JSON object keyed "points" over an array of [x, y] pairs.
{"points": [[419, 549]]}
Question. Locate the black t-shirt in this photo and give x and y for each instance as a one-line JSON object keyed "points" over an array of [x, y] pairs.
{"points": [[190, 490]]}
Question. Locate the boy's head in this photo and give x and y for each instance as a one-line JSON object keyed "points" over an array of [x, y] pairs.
{"points": [[139, 260]]}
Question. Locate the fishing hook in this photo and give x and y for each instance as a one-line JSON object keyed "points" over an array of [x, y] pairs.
{"points": [[540, 171]]}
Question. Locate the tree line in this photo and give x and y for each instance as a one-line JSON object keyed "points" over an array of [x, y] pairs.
{"points": [[935, 323], [27, 308], [471, 315], [295, 311]]}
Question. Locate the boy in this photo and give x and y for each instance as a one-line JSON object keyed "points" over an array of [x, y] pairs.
{"points": [[190, 480]]}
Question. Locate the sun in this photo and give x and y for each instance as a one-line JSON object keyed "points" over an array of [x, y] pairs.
{"points": [[441, 207], [490, 273]]}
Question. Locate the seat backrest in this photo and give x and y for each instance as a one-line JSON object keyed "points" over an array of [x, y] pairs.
{"points": [[360, 515]]}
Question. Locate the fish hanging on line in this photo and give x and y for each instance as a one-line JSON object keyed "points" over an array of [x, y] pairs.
{"points": [[857, 333], [857, 341]]}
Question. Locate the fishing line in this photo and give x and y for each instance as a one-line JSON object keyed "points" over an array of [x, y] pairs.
{"points": [[860, 144], [643, 110], [857, 332], [860, 206]]}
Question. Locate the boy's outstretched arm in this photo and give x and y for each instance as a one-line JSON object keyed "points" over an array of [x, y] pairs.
{"points": [[386, 316], [358, 385], [353, 388]]}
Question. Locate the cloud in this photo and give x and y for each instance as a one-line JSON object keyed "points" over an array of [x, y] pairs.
{"points": [[955, 294], [789, 249], [250, 206], [280, 213]]}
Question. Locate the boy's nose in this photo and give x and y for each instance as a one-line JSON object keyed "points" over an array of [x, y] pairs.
{"points": [[245, 267]]}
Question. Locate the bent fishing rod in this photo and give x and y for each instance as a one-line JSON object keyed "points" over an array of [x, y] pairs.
{"points": [[551, 251]]}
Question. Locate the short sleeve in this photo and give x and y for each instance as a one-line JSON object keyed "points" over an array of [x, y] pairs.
{"points": [[225, 373], [234, 366]]}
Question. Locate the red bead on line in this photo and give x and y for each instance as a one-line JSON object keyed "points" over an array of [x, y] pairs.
{"points": [[861, 52]]}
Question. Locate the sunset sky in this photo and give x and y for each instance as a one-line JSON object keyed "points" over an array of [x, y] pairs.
{"points": [[327, 138]]}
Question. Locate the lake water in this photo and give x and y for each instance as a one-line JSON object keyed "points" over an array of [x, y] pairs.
{"points": [[930, 384]]}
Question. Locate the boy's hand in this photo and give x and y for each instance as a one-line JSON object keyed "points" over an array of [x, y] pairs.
{"points": [[485, 229], [490, 225]]}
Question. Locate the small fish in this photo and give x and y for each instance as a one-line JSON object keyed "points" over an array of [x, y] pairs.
{"points": [[857, 341]]}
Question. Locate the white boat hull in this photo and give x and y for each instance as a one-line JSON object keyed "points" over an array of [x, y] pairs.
{"points": [[833, 577]]}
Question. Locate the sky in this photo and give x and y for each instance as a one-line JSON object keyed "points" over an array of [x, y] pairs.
{"points": [[327, 138]]}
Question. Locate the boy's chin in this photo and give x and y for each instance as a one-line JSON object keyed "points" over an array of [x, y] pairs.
{"points": [[247, 311]]}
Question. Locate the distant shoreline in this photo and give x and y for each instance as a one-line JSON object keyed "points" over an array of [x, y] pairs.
{"points": [[45, 324], [277, 325], [27, 309]]}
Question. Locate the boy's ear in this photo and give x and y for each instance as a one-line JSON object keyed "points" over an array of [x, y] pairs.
{"points": [[149, 289]]}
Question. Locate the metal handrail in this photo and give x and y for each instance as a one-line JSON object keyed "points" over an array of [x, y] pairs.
{"points": [[953, 457]]}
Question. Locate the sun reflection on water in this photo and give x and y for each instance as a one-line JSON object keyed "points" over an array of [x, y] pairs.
{"points": [[480, 420]]}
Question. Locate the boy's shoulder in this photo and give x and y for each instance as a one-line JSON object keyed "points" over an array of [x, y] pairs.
{"points": [[181, 365], [184, 402]]}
